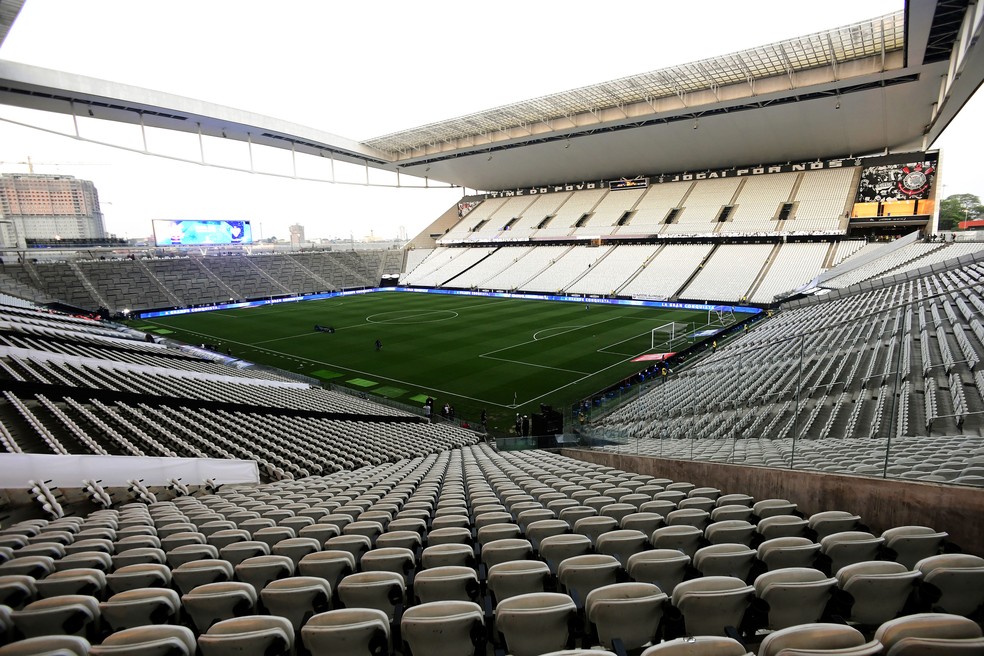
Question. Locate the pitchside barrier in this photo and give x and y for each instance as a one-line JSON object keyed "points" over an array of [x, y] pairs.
{"points": [[718, 312]]}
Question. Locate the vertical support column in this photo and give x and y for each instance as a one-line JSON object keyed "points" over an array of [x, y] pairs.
{"points": [[799, 386], [201, 145], [75, 118], [143, 132]]}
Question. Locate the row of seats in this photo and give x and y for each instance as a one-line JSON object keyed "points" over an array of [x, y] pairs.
{"points": [[457, 628], [817, 199], [729, 275], [474, 538], [849, 354], [94, 389], [140, 284]]}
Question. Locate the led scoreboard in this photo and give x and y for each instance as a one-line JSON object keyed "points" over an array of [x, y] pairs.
{"points": [[202, 233]]}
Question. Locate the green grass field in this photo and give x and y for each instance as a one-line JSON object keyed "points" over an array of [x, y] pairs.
{"points": [[502, 355]]}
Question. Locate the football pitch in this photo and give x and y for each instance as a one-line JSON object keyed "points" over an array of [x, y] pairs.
{"points": [[503, 355]]}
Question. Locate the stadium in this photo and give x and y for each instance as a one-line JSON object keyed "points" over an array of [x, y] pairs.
{"points": [[679, 376]]}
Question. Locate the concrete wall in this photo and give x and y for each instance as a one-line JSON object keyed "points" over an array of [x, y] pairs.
{"points": [[881, 503], [428, 236]]}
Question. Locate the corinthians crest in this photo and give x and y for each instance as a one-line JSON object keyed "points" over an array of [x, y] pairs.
{"points": [[914, 180]]}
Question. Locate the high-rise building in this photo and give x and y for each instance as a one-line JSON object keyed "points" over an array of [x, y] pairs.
{"points": [[296, 235], [48, 207]]}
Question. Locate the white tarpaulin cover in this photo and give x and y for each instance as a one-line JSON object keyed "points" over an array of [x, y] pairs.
{"points": [[16, 469]]}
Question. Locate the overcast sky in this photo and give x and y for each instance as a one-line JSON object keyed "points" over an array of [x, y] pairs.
{"points": [[359, 71]]}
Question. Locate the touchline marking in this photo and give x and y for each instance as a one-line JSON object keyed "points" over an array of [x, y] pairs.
{"points": [[574, 382], [530, 364]]}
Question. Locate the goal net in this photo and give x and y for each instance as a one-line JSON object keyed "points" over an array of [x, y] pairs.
{"points": [[671, 335], [720, 317]]}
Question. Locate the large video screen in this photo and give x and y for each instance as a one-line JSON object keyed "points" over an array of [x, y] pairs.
{"points": [[202, 233]]}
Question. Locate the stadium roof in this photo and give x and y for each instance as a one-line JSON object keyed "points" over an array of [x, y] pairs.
{"points": [[870, 38], [8, 12], [867, 88]]}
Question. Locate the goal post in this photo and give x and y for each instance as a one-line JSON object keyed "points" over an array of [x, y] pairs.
{"points": [[669, 335], [716, 317]]}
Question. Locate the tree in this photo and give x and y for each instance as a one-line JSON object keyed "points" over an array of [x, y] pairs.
{"points": [[959, 207]]}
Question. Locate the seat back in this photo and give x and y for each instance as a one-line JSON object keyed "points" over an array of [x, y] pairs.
{"points": [[847, 547], [725, 560], [60, 645], [817, 637], [213, 602], [447, 554], [712, 603], [390, 559], [446, 583], [930, 633], [347, 632], [734, 531], [140, 607], [505, 550], [252, 635], [586, 573], [258, 571], [62, 615], [778, 553], [148, 641], [621, 544], [630, 612], [913, 543], [330, 565], [444, 628], [698, 646], [533, 624], [795, 595], [879, 588], [683, 538], [517, 577], [959, 578], [557, 548], [297, 598], [647, 522], [380, 590], [543, 528], [663, 567]]}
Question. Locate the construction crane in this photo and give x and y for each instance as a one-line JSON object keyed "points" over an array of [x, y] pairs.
{"points": [[30, 163]]}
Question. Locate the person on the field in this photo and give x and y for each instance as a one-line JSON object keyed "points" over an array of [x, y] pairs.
{"points": [[379, 345]]}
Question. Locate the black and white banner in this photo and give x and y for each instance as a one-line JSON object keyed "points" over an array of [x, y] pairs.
{"points": [[908, 181]]}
